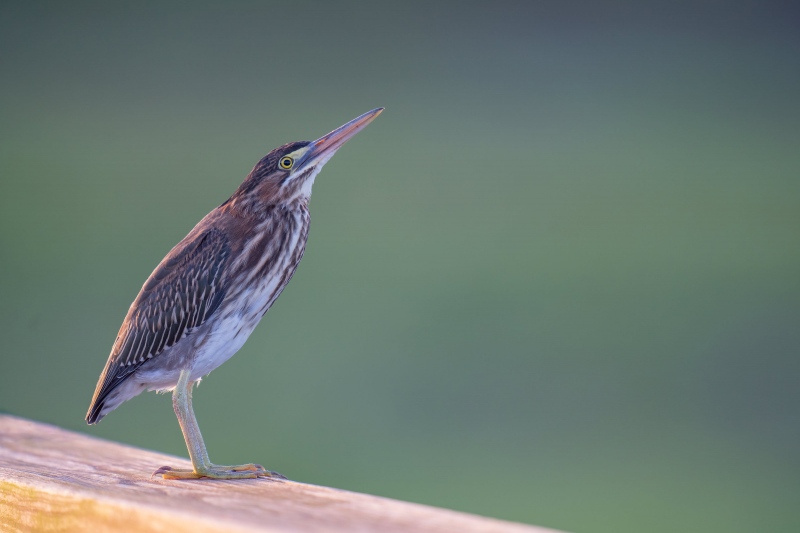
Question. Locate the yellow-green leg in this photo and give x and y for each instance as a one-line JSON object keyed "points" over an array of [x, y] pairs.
{"points": [[201, 465]]}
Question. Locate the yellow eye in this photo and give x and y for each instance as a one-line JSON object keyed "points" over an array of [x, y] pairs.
{"points": [[286, 163]]}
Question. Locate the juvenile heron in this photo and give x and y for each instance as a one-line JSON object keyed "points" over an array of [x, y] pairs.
{"points": [[207, 295]]}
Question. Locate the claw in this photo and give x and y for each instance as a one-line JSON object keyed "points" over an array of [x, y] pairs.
{"points": [[160, 470], [274, 475], [263, 472]]}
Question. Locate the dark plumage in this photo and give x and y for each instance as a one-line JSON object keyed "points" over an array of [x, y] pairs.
{"points": [[178, 297]]}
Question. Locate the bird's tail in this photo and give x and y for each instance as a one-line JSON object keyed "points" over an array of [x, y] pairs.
{"points": [[111, 399], [95, 413], [112, 390]]}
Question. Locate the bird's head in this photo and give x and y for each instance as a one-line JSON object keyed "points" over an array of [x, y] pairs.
{"points": [[287, 173]]}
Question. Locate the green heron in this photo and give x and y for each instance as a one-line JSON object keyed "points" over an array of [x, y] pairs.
{"points": [[207, 295]]}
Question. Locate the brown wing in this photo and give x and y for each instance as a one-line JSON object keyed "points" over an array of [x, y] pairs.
{"points": [[180, 295]]}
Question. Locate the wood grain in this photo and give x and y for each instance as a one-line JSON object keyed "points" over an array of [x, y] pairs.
{"points": [[55, 480]]}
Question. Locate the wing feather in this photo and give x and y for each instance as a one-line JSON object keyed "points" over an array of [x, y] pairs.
{"points": [[178, 297]]}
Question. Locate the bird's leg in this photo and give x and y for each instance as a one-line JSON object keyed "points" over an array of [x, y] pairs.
{"points": [[201, 465]]}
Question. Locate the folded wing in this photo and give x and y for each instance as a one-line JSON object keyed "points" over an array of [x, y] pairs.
{"points": [[178, 297]]}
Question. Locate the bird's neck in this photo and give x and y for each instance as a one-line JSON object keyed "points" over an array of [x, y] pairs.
{"points": [[252, 207]]}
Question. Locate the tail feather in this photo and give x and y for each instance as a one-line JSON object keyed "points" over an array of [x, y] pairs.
{"points": [[94, 415], [109, 399], [98, 409]]}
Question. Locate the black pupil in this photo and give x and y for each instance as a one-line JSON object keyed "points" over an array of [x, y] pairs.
{"points": [[287, 162]]}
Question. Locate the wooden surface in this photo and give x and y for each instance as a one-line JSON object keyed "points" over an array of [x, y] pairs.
{"points": [[56, 480]]}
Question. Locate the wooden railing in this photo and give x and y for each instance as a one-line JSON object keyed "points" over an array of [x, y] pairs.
{"points": [[53, 480]]}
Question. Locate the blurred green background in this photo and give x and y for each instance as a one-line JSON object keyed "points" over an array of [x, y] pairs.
{"points": [[557, 281]]}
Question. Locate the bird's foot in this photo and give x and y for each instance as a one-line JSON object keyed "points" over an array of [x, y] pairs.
{"points": [[250, 467], [246, 471]]}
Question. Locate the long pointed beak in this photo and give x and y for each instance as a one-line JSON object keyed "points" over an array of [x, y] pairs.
{"points": [[323, 148]]}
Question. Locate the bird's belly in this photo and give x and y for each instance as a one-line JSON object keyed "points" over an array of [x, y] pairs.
{"points": [[221, 344], [235, 324]]}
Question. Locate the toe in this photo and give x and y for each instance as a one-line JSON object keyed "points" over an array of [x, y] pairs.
{"points": [[272, 475], [161, 470]]}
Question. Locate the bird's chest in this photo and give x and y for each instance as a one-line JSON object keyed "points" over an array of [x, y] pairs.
{"points": [[266, 265], [272, 260]]}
